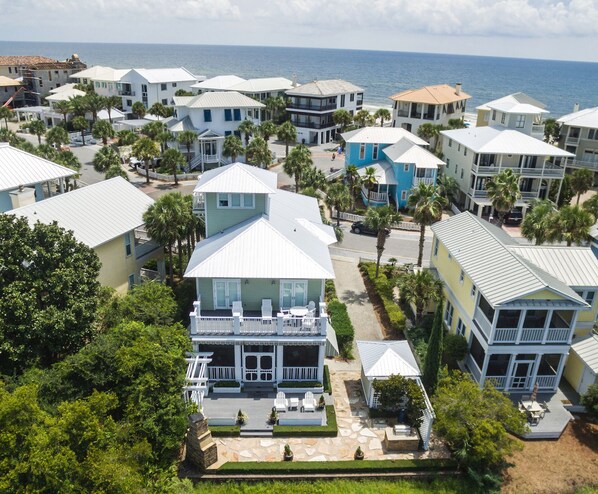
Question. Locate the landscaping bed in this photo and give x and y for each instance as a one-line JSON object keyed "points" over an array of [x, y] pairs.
{"points": [[225, 430], [227, 387], [339, 318], [328, 430]]}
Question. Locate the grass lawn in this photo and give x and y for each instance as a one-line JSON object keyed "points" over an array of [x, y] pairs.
{"points": [[440, 486]]}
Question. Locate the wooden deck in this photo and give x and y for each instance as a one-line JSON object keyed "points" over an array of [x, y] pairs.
{"points": [[555, 420]]}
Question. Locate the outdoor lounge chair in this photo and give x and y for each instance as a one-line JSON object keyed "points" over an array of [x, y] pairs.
{"points": [[309, 402], [280, 402], [266, 309]]}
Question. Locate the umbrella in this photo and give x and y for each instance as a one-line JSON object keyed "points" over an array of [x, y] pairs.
{"points": [[534, 392]]}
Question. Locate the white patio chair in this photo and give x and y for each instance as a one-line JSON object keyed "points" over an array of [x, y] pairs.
{"points": [[266, 309], [280, 402], [311, 306], [308, 403], [237, 309]]}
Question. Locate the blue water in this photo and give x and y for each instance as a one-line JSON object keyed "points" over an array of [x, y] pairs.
{"points": [[558, 84]]}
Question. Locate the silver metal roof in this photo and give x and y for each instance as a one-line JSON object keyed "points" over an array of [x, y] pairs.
{"points": [[587, 349], [405, 151], [219, 99], [387, 358], [238, 178], [381, 135], [328, 87]]}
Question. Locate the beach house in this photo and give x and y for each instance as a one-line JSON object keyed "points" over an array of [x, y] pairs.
{"points": [[311, 106], [107, 217], [579, 136], [429, 104], [399, 159], [104, 79], [259, 276]]}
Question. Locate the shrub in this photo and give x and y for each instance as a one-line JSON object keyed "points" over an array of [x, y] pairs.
{"points": [[327, 381], [227, 384], [590, 400], [339, 317], [300, 384], [225, 430], [455, 349], [330, 291]]}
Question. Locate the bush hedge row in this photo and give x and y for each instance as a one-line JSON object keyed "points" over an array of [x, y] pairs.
{"points": [[225, 430], [300, 384], [327, 381], [328, 430], [343, 327]]}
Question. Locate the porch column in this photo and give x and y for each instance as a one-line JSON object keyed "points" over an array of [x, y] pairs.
{"points": [[572, 327], [492, 334], [484, 368], [238, 363], [279, 363], [161, 269], [524, 211], [61, 185], [559, 372], [321, 355], [547, 325], [534, 376], [500, 163], [480, 210], [236, 324], [512, 361], [520, 326]]}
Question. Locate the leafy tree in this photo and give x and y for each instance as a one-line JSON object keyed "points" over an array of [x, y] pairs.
{"points": [[80, 124], [164, 138], [434, 351], [57, 136], [428, 131], [363, 118], [591, 205], [173, 159], [232, 147], [146, 150], [561, 192], [454, 349], [573, 225], [590, 400], [5, 113], [456, 123], [78, 105], [379, 220], [474, 422], [111, 103], [582, 180], [68, 159], [10, 137], [420, 287], [538, 224], [342, 118], [503, 191], [369, 180], [88, 88], [64, 108], [48, 291], [353, 180], [103, 130], [159, 110], [105, 158], [338, 197], [187, 138], [401, 393], [552, 130], [447, 187], [150, 303], [95, 103], [126, 137], [313, 178], [138, 109], [152, 129], [37, 128], [116, 171], [287, 132], [275, 107], [427, 205], [383, 114], [183, 92], [257, 152], [267, 129], [297, 162], [247, 128]]}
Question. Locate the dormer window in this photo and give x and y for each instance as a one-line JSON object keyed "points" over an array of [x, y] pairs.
{"points": [[236, 201]]}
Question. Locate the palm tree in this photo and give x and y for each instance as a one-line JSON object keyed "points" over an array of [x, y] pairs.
{"points": [[187, 138], [105, 159], [78, 105], [298, 160], [64, 108], [232, 147], [152, 129], [274, 106], [427, 204], [503, 191], [146, 150], [138, 109], [381, 219], [287, 132], [383, 114], [102, 129], [95, 104], [126, 137], [173, 159], [362, 118], [353, 180], [447, 187], [10, 137], [158, 110], [267, 129], [5, 113], [369, 180], [582, 180], [116, 171], [338, 197], [539, 223], [342, 118], [420, 287], [38, 128], [80, 124], [591, 205], [456, 123], [428, 132], [68, 159], [313, 178], [57, 136], [164, 138], [111, 103], [573, 224], [246, 127], [258, 154]]}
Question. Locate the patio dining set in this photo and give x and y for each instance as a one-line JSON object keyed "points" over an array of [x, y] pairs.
{"points": [[534, 410], [307, 312]]}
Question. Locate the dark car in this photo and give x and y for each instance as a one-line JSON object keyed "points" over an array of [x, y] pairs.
{"points": [[515, 217], [360, 227]]}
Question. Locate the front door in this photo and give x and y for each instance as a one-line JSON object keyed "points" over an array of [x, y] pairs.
{"points": [[258, 363], [521, 374], [226, 292], [293, 293]]}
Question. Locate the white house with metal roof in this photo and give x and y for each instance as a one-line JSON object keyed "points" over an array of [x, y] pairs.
{"points": [[37, 177], [579, 135], [218, 83], [311, 106], [108, 217], [520, 307], [582, 365], [259, 275], [474, 155], [104, 79]]}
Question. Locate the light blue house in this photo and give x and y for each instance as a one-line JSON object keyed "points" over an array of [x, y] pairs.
{"points": [[398, 158]]}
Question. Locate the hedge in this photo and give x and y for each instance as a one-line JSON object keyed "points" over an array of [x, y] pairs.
{"points": [[225, 430], [226, 384], [300, 384], [339, 317], [353, 466], [328, 430], [330, 291], [327, 381]]}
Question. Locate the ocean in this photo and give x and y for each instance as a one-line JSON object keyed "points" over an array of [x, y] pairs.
{"points": [[558, 84]]}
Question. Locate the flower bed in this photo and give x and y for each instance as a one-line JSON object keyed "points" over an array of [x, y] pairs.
{"points": [[227, 387], [328, 430], [300, 386]]}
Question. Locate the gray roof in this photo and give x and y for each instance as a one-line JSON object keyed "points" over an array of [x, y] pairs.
{"points": [[500, 274], [329, 87], [386, 358], [95, 214], [238, 178], [219, 99], [181, 125], [587, 349]]}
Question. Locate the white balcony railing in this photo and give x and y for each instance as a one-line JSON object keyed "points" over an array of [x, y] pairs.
{"points": [[500, 382], [531, 335], [199, 202], [502, 335], [482, 322], [572, 140], [573, 163], [548, 170], [375, 196], [210, 158], [558, 335], [546, 382], [425, 180], [299, 373], [473, 367], [221, 373]]}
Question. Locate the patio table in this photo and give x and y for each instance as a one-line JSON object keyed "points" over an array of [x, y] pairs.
{"points": [[299, 311], [532, 406], [293, 403]]}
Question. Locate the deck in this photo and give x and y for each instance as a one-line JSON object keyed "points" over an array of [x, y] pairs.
{"points": [[555, 420]]}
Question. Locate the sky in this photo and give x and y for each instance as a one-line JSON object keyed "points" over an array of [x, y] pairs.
{"points": [[548, 29]]}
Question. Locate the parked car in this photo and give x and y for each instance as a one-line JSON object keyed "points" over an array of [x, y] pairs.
{"points": [[360, 227], [514, 217]]}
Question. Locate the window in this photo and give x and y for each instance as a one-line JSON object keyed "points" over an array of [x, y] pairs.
{"points": [[131, 281], [352, 97], [164, 101], [228, 115], [450, 143], [237, 114], [462, 169], [464, 151], [97, 84], [361, 151], [589, 297], [406, 167], [236, 201], [144, 88], [227, 133], [342, 100], [237, 133], [129, 102], [503, 117], [403, 195], [207, 116], [593, 134], [520, 122], [10, 70], [474, 291], [448, 162], [174, 84], [163, 87], [375, 152], [461, 327], [461, 276], [448, 314], [223, 200], [436, 248], [128, 248]]}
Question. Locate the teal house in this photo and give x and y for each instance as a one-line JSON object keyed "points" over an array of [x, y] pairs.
{"points": [[399, 161], [260, 272]]}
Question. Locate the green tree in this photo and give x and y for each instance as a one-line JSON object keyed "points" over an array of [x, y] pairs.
{"points": [[257, 153], [138, 109], [363, 118], [456, 123], [48, 292], [428, 131], [313, 178], [342, 118], [232, 147], [582, 180], [267, 129], [103, 130], [590, 205], [401, 393], [447, 187], [95, 103], [287, 133], [80, 124], [353, 180], [146, 150], [454, 349], [68, 159], [552, 130], [159, 110], [338, 197], [5, 113], [369, 180], [419, 287], [164, 138], [126, 137], [379, 220], [183, 92], [297, 161], [105, 158], [561, 192], [64, 108], [434, 351], [37, 128], [503, 191], [116, 171], [590, 400], [187, 138], [173, 159], [573, 225], [427, 204], [150, 303], [10, 137], [275, 107], [78, 106], [247, 128], [538, 224], [383, 114], [57, 136], [112, 103], [152, 129]]}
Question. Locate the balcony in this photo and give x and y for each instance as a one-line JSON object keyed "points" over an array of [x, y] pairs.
{"points": [[378, 197], [590, 165], [144, 245], [199, 203], [425, 180], [482, 194], [538, 131], [126, 92], [482, 322], [311, 107], [572, 140], [549, 170], [313, 125]]}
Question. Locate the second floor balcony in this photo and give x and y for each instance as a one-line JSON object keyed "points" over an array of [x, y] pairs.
{"points": [[549, 170]]}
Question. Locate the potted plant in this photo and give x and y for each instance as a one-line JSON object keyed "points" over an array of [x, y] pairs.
{"points": [[288, 453], [273, 416], [359, 455], [241, 418], [321, 402]]}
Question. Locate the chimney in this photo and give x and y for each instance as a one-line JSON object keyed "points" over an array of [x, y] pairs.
{"points": [[458, 88], [294, 84], [22, 197], [575, 107]]}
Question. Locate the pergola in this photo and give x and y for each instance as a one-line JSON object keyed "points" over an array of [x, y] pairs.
{"points": [[197, 381]]}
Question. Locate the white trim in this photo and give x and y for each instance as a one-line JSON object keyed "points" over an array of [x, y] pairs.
{"points": [[294, 282], [224, 280], [229, 200]]}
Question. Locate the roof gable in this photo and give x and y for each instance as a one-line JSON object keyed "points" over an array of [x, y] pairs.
{"points": [[405, 151], [386, 358], [237, 178], [432, 95], [381, 135]]}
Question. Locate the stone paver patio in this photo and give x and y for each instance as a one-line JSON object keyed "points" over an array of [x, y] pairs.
{"points": [[355, 429]]}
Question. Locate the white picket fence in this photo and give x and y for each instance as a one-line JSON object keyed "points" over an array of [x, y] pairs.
{"points": [[334, 175], [169, 178], [401, 225]]}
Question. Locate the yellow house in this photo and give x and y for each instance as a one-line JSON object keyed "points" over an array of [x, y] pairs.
{"points": [[108, 217], [521, 307]]}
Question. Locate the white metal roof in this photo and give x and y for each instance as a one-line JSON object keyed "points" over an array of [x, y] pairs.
{"points": [[485, 253], [263, 84], [219, 83], [384, 173], [96, 213], [100, 73], [584, 118], [519, 103], [387, 358], [65, 95], [405, 151], [381, 135], [115, 113], [181, 125], [64, 87], [219, 99], [238, 178], [174, 74], [587, 349], [18, 167], [492, 140], [329, 87]]}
